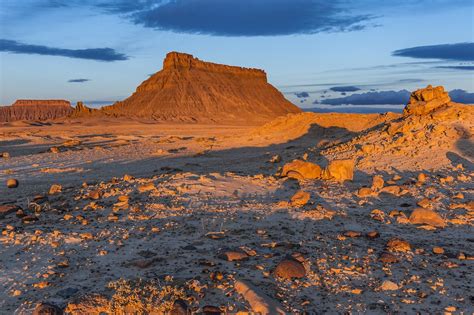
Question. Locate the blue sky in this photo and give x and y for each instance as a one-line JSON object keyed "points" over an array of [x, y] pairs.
{"points": [[100, 50]]}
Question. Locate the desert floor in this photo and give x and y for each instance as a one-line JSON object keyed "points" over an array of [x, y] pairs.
{"points": [[167, 203]]}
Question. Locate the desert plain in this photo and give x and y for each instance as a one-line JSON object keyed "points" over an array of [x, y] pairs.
{"points": [[304, 213]]}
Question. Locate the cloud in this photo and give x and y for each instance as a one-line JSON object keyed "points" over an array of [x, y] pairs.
{"points": [[349, 88], [302, 94], [371, 98], [247, 17], [456, 52], [98, 54], [78, 80], [462, 68], [462, 96]]}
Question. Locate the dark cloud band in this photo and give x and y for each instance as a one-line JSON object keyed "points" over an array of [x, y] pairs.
{"points": [[98, 54], [78, 80], [452, 52]]}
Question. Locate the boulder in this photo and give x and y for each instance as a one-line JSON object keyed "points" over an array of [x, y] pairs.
{"points": [[12, 183], [398, 245], [289, 268], [427, 216], [424, 101], [300, 198], [298, 169], [340, 170], [233, 255], [47, 309]]}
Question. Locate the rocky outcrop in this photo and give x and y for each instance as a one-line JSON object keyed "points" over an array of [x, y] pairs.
{"points": [[191, 90], [82, 110], [423, 101], [35, 110]]}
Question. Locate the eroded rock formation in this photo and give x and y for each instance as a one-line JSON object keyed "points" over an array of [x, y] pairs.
{"points": [[191, 90], [35, 110], [425, 100], [82, 110]]}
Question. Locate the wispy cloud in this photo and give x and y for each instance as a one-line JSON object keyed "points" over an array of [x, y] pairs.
{"points": [[451, 52], [349, 88], [462, 68], [98, 54]]}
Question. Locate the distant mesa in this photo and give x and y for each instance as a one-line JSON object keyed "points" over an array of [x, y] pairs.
{"points": [[35, 110], [190, 90], [423, 101]]}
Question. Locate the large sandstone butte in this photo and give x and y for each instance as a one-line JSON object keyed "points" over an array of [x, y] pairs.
{"points": [[191, 90], [35, 110]]}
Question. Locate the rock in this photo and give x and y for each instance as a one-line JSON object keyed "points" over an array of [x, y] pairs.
{"points": [[438, 250], [81, 110], [233, 255], [180, 307], [146, 187], [366, 192], [88, 304], [35, 110], [289, 269], [388, 258], [298, 169], [372, 235], [340, 170], [259, 302], [95, 194], [377, 182], [55, 189], [388, 285], [352, 234], [427, 216], [211, 310], [7, 209], [421, 178], [47, 309], [191, 90], [12, 183], [393, 190], [5, 155], [424, 101], [300, 198], [398, 245]]}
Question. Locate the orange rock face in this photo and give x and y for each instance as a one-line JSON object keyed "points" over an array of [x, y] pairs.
{"points": [[191, 90], [35, 110], [426, 100]]}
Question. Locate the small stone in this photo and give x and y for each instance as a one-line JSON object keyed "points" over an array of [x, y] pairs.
{"points": [[8, 209], [421, 178], [54, 150], [233, 255], [388, 285], [47, 309], [146, 187], [300, 198], [289, 269], [55, 189], [438, 250], [377, 182], [425, 203], [12, 183], [389, 258], [5, 155], [95, 194], [398, 245], [211, 310], [373, 235], [352, 234], [365, 192], [426, 216]]}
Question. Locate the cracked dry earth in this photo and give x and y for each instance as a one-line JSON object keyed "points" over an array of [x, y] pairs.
{"points": [[210, 231]]}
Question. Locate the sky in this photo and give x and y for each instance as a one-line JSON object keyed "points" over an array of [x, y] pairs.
{"points": [[339, 54]]}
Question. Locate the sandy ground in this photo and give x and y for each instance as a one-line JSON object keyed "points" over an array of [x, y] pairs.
{"points": [[194, 192]]}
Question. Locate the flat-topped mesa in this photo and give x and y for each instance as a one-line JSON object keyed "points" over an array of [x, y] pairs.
{"points": [[176, 60], [425, 100], [42, 103]]}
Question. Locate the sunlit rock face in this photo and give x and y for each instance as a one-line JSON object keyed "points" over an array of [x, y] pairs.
{"points": [[191, 90], [425, 100], [35, 110]]}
